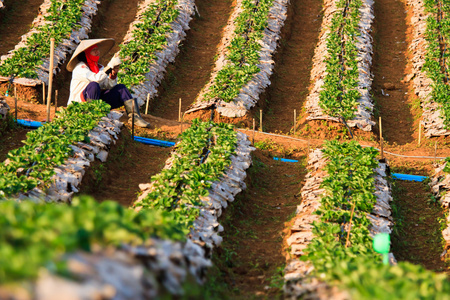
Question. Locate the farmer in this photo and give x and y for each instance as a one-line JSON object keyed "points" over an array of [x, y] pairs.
{"points": [[91, 80]]}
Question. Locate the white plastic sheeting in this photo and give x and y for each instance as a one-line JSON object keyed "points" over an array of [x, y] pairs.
{"points": [[4, 109], [65, 48], [364, 111], [249, 94], [440, 187], [432, 118], [179, 27], [298, 283], [130, 273]]}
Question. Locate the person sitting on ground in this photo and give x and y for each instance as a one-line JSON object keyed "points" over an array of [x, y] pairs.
{"points": [[90, 80]]}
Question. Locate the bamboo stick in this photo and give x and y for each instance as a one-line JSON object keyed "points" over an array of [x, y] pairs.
{"points": [[435, 151], [43, 93], [350, 224], [56, 101], [146, 107], [15, 106], [253, 136], [179, 111], [132, 122], [381, 139], [260, 121], [50, 78]]}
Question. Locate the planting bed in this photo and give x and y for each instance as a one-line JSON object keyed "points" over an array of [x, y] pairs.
{"points": [[430, 66], [244, 61], [341, 76], [68, 23], [340, 176]]}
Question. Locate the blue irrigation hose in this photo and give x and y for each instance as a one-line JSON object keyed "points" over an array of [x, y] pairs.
{"points": [[31, 124], [408, 177], [153, 142], [285, 160]]}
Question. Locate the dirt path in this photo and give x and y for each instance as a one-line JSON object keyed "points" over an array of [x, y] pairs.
{"points": [[15, 21], [129, 164], [251, 256], [194, 63], [417, 236], [389, 67], [290, 80], [112, 21]]}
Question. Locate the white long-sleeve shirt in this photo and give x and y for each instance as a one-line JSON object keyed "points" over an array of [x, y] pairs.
{"points": [[82, 76]]}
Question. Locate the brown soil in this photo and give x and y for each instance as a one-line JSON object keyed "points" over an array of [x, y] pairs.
{"points": [[15, 21], [290, 80], [129, 164], [252, 255], [31, 111], [194, 64], [11, 140], [417, 236], [391, 36]]}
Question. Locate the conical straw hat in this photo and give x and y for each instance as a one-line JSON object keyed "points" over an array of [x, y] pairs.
{"points": [[104, 45]]}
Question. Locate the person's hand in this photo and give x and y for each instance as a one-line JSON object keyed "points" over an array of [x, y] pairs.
{"points": [[114, 71]]}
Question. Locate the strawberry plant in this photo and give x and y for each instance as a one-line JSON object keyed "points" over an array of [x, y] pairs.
{"points": [[339, 94], [35, 236], [357, 268], [436, 59], [47, 147], [61, 19], [149, 37], [243, 57], [201, 157]]}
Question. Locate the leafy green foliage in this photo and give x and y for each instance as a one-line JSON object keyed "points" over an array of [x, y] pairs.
{"points": [[62, 19], [434, 66], [200, 159], [243, 58], [357, 268], [339, 95], [149, 37], [48, 146], [37, 235]]}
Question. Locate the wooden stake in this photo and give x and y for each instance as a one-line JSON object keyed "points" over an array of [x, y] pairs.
{"points": [[181, 127], [253, 137], [295, 119], [15, 91], [43, 92], [146, 106], [56, 101], [132, 122], [260, 120], [15, 105], [381, 139], [435, 151], [179, 111], [350, 224], [420, 132], [50, 78]]}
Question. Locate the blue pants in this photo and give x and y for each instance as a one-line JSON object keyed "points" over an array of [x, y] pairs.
{"points": [[114, 97]]}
